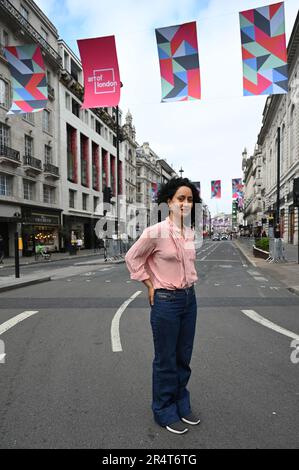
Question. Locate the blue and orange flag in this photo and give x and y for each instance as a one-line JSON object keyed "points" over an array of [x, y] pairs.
{"points": [[216, 189], [27, 68], [264, 50], [179, 63]]}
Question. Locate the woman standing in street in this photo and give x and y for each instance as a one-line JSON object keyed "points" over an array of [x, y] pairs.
{"points": [[163, 259]]}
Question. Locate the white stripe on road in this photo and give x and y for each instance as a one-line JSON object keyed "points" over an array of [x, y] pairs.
{"points": [[260, 278], [263, 321], [115, 336], [15, 320], [209, 253]]}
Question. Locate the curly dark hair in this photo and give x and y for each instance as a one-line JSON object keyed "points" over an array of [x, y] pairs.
{"points": [[168, 190]]}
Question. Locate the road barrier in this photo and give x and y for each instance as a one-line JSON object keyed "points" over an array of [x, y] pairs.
{"points": [[276, 250]]}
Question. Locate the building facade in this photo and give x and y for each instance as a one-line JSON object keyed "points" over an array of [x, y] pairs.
{"points": [[88, 147], [30, 196], [253, 179], [129, 148], [281, 119]]}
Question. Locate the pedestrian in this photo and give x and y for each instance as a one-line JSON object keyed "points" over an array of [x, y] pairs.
{"points": [[163, 259], [1, 249]]}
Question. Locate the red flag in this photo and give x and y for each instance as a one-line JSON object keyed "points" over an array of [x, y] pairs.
{"points": [[101, 72]]}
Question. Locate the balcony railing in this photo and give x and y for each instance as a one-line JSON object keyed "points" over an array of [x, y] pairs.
{"points": [[10, 154], [32, 162], [16, 15], [52, 170]]}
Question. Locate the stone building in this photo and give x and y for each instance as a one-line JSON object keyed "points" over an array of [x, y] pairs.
{"points": [[30, 194], [88, 148], [282, 112]]}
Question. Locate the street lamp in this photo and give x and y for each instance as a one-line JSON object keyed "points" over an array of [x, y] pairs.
{"points": [[181, 171]]}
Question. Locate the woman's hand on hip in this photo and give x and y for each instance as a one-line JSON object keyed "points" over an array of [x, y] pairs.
{"points": [[151, 291]]}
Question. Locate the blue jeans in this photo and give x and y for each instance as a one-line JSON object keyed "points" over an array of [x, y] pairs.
{"points": [[173, 321]]}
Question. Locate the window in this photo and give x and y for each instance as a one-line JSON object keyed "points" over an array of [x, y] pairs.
{"points": [[29, 190], [24, 12], [66, 61], [92, 122], [48, 154], [5, 38], [49, 194], [4, 135], [4, 93], [95, 203], [84, 160], [28, 146], [71, 153], [72, 198], [292, 135], [67, 101], [44, 34], [86, 118], [85, 202], [98, 127], [49, 77], [5, 185], [75, 108], [46, 121], [29, 117]]}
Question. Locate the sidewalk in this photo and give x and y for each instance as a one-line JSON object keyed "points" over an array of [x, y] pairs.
{"points": [[10, 282], [287, 273], [24, 261]]}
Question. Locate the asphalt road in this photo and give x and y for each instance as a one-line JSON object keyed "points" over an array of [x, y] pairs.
{"points": [[62, 386]]}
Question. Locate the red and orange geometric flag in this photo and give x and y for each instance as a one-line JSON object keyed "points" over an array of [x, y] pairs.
{"points": [[264, 52], [179, 63]]}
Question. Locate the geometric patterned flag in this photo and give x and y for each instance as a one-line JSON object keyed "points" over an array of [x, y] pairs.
{"points": [[27, 68], [179, 63], [216, 189], [237, 188], [101, 72], [264, 51]]}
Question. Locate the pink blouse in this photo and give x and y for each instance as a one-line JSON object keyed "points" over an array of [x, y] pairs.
{"points": [[164, 256]]}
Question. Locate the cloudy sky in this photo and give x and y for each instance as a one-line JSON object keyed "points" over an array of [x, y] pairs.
{"points": [[205, 137]]}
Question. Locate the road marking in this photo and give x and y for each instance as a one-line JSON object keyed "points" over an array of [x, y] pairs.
{"points": [[105, 269], [221, 261], [253, 273], [15, 320], [209, 253], [224, 266], [107, 281], [263, 321], [260, 278], [115, 336]]}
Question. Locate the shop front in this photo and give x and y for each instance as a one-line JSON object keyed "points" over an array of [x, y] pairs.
{"points": [[10, 215], [40, 227], [79, 231]]}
